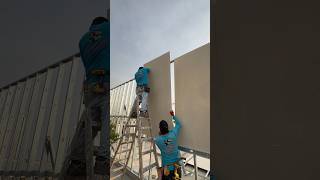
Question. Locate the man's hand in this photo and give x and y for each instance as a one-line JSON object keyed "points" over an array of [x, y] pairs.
{"points": [[171, 113]]}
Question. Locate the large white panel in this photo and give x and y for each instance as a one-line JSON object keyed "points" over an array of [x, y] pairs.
{"points": [[192, 98], [160, 93]]}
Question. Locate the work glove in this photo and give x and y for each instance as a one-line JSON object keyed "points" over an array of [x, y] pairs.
{"points": [[171, 113]]}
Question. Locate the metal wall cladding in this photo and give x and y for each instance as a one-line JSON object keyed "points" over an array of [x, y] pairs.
{"points": [[121, 101], [44, 106]]}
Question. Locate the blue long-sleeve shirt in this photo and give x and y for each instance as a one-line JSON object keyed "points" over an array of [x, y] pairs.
{"points": [[95, 51], [168, 145], [141, 77]]}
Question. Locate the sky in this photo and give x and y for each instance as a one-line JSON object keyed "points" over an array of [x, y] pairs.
{"points": [[143, 31], [38, 33]]}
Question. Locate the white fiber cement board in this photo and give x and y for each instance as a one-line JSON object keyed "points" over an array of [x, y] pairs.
{"points": [[159, 101], [192, 98]]}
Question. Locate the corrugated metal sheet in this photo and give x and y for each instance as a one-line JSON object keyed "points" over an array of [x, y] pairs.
{"points": [[46, 104]]}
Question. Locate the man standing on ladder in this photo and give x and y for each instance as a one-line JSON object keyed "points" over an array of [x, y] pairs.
{"points": [[95, 54], [142, 91], [167, 143]]}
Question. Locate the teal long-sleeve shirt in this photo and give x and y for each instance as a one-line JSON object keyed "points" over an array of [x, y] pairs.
{"points": [[141, 77], [95, 51], [168, 145]]}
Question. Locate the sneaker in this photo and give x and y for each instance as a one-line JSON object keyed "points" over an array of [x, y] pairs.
{"points": [[144, 114]]}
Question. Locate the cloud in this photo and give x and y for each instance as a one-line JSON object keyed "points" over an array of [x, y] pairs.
{"points": [[141, 32]]}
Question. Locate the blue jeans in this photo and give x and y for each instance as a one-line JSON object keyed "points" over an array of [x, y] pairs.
{"points": [[141, 98], [97, 106]]}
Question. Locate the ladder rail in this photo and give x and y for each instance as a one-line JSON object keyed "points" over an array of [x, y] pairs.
{"points": [[150, 154], [154, 147], [141, 168], [120, 141], [131, 147], [137, 137], [126, 133], [88, 146], [140, 144]]}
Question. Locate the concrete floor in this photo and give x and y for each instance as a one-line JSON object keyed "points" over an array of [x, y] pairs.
{"points": [[146, 160], [153, 176]]}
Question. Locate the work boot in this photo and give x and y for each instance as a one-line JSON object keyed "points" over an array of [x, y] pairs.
{"points": [[133, 115], [77, 168], [101, 167]]}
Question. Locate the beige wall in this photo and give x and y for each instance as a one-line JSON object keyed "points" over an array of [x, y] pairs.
{"points": [[192, 98], [160, 94]]}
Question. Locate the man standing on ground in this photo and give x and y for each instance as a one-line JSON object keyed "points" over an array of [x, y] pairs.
{"points": [[142, 91], [95, 54], [168, 145]]}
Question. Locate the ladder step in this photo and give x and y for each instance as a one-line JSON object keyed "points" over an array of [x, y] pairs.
{"points": [[118, 160], [147, 139], [116, 176], [149, 167], [127, 142], [124, 151], [147, 152], [117, 169], [143, 118], [130, 134], [131, 125]]}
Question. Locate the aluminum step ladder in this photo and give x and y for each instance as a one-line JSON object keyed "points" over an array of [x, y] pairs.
{"points": [[131, 132]]}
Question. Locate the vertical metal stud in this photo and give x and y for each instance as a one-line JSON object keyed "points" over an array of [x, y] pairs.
{"points": [[195, 166]]}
